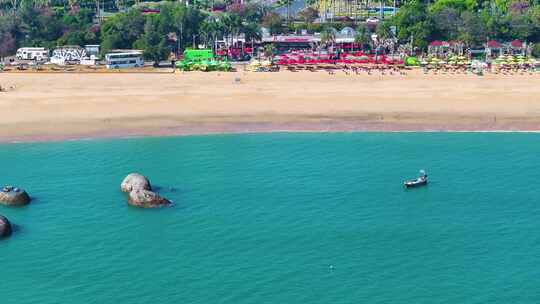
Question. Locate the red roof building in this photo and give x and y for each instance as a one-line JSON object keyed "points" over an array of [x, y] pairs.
{"points": [[516, 44], [492, 44]]}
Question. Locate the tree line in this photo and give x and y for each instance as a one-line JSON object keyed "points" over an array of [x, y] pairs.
{"points": [[472, 22], [51, 23], [176, 26]]}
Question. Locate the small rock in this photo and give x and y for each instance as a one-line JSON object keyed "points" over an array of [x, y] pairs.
{"points": [[13, 196], [135, 181], [5, 227], [146, 199]]}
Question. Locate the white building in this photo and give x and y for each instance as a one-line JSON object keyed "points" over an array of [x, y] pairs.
{"points": [[32, 53]]}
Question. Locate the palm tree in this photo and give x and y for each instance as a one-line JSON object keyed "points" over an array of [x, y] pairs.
{"points": [[72, 4], [328, 35], [210, 29], [362, 35], [232, 24], [13, 4], [252, 31], [41, 3]]}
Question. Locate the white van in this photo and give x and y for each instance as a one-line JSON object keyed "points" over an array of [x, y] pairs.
{"points": [[39, 54]]}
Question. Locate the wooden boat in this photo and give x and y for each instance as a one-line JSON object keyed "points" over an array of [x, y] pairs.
{"points": [[422, 180]]}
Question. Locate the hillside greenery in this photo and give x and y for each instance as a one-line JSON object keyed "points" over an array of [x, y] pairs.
{"points": [[51, 23]]}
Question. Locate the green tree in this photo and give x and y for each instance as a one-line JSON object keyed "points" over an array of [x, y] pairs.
{"points": [[413, 23], [273, 22], [122, 30], [308, 14], [7, 44], [472, 30], [458, 5], [446, 23], [383, 30], [362, 35], [536, 50], [269, 50], [39, 26], [153, 42], [252, 31], [328, 35]]}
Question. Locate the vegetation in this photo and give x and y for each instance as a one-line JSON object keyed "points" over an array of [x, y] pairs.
{"points": [[470, 21], [174, 26]]}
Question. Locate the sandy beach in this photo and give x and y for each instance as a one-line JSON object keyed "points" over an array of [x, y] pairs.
{"points": [[40, 107]]}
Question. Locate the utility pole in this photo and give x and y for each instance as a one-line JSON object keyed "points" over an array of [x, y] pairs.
{"points": [[98, 15], [288, 11], [181, 35]]}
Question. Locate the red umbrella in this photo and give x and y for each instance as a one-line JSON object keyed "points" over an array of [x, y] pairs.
{"points": [[292, 62]]}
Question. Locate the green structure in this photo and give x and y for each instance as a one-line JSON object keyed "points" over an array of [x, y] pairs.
{"points": [[412, 61], [202, 60]]}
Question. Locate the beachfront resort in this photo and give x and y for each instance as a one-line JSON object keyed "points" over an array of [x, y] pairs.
{"points": [[266, 36], [280, 138], [251, 66]]}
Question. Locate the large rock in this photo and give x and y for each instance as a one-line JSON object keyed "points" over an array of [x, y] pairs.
{"points": [[135, 181], [146, 199], [13, 196], [5, 227]]}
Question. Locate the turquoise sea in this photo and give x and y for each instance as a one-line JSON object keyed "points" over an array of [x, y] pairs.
{"points": [[277, 218]]}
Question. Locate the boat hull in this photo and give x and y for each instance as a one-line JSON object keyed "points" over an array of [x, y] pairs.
{"points": [[414, 184]]}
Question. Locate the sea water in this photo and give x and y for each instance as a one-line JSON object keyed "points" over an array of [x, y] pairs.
{"points": [[277, 218]]}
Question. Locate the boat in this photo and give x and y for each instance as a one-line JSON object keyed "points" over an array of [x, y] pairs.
{"points": [[421, 180]]}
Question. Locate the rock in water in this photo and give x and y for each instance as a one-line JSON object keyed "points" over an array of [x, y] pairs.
{"points": [[135, 181], [146, 199], [5, 227], [13, 196]]}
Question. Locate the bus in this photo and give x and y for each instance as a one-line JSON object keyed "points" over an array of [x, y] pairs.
{"points": [[32, 53], [125, 59]]}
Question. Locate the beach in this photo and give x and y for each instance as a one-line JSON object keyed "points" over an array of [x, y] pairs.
{"points": [[59, 106]]}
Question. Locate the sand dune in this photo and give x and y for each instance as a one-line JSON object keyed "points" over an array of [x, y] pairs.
{"points": [[63, 106]]}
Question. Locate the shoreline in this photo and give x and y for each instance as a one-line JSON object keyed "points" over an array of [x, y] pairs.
{"points": [[56, 107], [331, 125]]}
